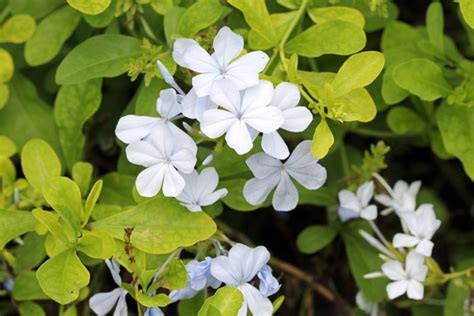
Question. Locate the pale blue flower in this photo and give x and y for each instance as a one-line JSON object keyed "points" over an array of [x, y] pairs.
{"points": [[268, 283], [153, 311]]}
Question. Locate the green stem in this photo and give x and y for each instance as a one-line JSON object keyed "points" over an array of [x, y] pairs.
{"points": [[345, 160], [457, 274]]}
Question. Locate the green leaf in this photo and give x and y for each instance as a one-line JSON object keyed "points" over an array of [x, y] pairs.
{"points": [[333, 37], [356, 105], [324, 14], [159, 300], [26, 116], [26, 287], [51, 221], [363, 259], [191, 306], [31, 253], [17, 29], [39, 163], [117, 189], [100, 56], [6, 60], [103, 19], [256, 15], [467, 10], [30, 308], [161, 6], [391, 92], [315, 238], [37, 9], [64, 196], [82, 174], [97, 245], [226, 301], [92, 200], [50, 36], [147, 96], [7, 147], [458, 292], [280, 22], [198, 16], [456, 124], [4, 95], [423, 78], [174, 277], [62, 277], [403, 120], [170, 23], [74, 106], [435, 25], [14, 224], [322, 140], [91, 7], [358, 71], [160, 231]]}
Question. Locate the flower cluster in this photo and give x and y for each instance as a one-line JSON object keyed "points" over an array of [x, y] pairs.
{"points": [[227, 99], [405, 256]]}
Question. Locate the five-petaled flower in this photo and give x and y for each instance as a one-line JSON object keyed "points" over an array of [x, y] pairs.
{"points": [[401, 199], [355, 205]]}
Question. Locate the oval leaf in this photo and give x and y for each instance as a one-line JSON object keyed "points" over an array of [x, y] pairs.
{"points": [[322, 140], [14, 224], [18, 29], [6, 71], [91, 7], [315, 238]]}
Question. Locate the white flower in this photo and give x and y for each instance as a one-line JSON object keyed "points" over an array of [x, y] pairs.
{"points": [[163, 157], [406, 280], [194, 106], [199, 189], [242, 72], [242, 112], [355, 205], [370, 308], [422, 225], [102, 303], [133, 128], [401, 199], [165, 73], [237, 270], [296, 119], [270, 173], [199, 278], [268, 283]]}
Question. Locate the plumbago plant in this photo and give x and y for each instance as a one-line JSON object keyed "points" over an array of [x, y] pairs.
{"points": [[135, 134]]}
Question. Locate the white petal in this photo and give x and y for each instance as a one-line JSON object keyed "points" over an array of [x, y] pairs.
{"points": [[259, 95], [179, 139], [265, 119], [121, 309], [414, 263], [203, 83], [227, 45], [173, 183], [220, 270], [248, 260], [286, 96], [404, 240], [346, 214], [301, 156], [226, 95], [207, 181], [393, 270], [189, 104], [242, 81], [197, 59], [312, 176], [396, 289], [143, 153], [369, 213], [215, 123], [285, 197], [167, 105], [132, 128], [415, 290], [263, 165], [213, 197], [180, 47], [243, 311], [102, 303], [189, 194], [410, 219], [256, 190], [297, 119], [274, 145], [258, 304], [365, 193], [184, 160], [238, 138], [348, 200], [414, 188], [149, 181], [165, 73], [425, 248], [253, 62], [384, 199], [114, 269]]}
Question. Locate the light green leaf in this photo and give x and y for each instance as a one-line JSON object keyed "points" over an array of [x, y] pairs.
{"points": [[159, 300], [117, 189], [324, 14], [256, 15], [4, 95], [6, 60], [62, 277], [64, 196], [403, 120], [174, 277], [280, 23], [467, 10], [99, 56], [226, 301], [356, 105], [198, 16], [333, 37], [37, 9], [14, 224], [98, 245], [160, 231], [7, 147], [103, 19], [170, 23], [50, 36], [315, 238], [17, 29], [423, 78], [31, 253], [74, 106], [358, 71], [26, 116], [26, 287], [191, 306], [91, 7], [391, 92], [30, 308], [435, 25], [39, 163], [82, 174], [322, 140], [458, 292], [456, 124], [161, 6], [50, 220], [92, 200]]}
